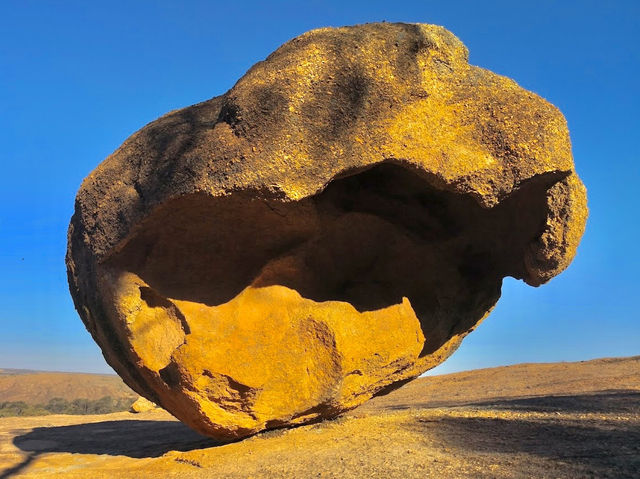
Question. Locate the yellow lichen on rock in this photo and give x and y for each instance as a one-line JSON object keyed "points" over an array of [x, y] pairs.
{"points": [[332, 226]]}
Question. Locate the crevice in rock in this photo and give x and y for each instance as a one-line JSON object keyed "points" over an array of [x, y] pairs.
{"points": [[224, 390], [154, 300], [170, 375]]}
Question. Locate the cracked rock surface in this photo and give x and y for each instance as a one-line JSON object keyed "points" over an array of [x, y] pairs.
{"points": [[328, 229]]}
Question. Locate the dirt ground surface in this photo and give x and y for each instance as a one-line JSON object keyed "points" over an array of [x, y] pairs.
{"points": [[563, 420]]}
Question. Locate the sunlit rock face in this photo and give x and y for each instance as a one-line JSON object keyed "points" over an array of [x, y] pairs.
{"points": [[329, 228]]}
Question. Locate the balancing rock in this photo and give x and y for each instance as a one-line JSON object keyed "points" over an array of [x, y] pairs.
{"points": [[328, 229]]}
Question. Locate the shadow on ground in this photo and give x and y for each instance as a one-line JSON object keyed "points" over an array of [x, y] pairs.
{"points": [[616, 401], [612, 401], [607, 446], [133, 438]]}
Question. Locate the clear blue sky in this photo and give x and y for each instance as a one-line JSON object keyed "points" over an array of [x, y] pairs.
{"points": [[77, 78]]}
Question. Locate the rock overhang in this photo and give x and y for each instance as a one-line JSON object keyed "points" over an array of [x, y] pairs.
{"points": [[360, 183]]}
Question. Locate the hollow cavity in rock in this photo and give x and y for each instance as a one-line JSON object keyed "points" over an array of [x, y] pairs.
{"points": [[369, 239]]}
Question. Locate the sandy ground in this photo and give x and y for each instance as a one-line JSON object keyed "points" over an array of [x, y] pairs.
{"points": [[568, 420]]}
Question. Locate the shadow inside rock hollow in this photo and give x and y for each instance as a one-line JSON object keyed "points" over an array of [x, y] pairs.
{"points": [[369, 239], [132, 438]]}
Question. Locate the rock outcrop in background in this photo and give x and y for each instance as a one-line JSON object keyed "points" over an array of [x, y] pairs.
{"points": [[329, 228], [142, 405]]}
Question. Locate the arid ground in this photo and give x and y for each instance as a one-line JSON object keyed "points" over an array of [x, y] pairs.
{"points": [[566, 420]]}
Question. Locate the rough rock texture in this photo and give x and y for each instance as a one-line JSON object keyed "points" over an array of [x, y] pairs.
{"points": [[143, 405], [329, 228]]}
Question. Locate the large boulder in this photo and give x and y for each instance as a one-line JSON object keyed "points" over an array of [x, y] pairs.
{"points": [[329, 228]]}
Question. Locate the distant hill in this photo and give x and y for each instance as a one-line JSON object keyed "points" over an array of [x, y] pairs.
{"points": [[36, 387], [521, 380], [12, 372]]}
